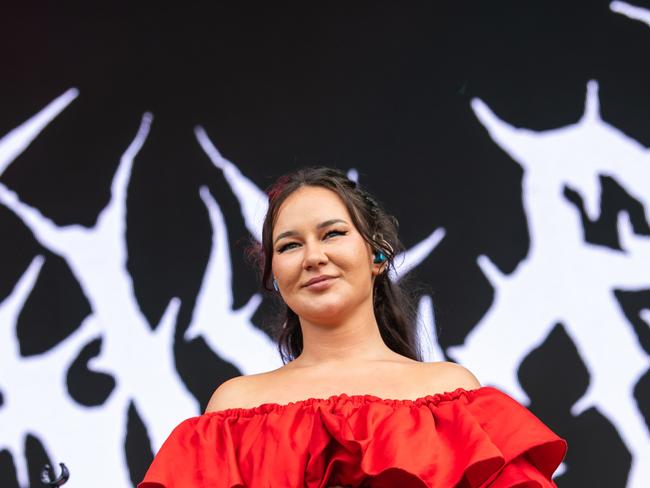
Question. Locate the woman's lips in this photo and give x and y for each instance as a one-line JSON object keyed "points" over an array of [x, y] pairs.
{"points": [[321, 285]]}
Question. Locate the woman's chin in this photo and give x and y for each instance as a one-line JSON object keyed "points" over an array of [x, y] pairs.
{"points": [[324, 311]]}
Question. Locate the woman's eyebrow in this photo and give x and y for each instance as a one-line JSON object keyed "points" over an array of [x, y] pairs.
{"points": [[319, 226]]}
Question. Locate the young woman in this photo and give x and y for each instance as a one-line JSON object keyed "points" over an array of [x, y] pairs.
{"points": [[353, 404]]}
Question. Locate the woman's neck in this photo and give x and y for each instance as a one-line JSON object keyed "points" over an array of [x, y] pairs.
{"points": [[354, 340]]}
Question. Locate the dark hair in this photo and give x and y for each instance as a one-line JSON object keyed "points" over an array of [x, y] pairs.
{"points": [[394, 309]]}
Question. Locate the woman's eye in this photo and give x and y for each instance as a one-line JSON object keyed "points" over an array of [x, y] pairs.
{"points": [[281, 249], [287, 246], [339, 232]]}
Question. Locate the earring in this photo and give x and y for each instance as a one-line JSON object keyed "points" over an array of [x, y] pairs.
{"points": [[275, 285], [379, 257]]}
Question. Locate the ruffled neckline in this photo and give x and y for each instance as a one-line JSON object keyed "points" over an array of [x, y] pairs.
{"points": [[473, 438], [356, 399]]}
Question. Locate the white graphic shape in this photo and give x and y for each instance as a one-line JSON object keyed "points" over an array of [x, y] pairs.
{"points": [[565, 279], [132, 353], [411, 258], [16, 141], [252, 200], [37, 401], [427, 333], [229, 333], [632, 11]]}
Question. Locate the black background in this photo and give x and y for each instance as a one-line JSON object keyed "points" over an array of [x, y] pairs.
{"points": [[384, 87]]}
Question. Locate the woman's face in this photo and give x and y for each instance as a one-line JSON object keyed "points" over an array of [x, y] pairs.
{"points": [[314, 236]]}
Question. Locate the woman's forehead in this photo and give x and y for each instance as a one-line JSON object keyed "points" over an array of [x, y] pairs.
{"points": [[310, 206]]}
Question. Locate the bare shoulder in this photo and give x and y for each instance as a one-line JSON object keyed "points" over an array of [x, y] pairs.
{"points": [[449, 376], [232, 393]]}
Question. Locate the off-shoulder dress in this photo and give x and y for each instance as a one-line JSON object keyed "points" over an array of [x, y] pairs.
{"points": [[464, 438]]}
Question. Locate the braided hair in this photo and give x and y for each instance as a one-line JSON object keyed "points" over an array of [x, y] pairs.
{"points": [[394, 309]]}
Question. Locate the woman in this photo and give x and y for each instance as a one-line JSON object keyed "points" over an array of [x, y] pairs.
{"points": [[353, 404]]}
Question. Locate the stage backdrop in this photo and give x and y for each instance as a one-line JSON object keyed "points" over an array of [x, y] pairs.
{"points": [[509, 138]]}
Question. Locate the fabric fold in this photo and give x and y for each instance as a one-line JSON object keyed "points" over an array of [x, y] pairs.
{"points": [[465, 438]]}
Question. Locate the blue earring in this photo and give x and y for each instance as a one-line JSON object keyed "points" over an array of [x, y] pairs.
{"points": [[379, 257], [275, 285]]}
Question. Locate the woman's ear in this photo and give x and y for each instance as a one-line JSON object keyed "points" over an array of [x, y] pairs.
{"points": [[378, 262]]}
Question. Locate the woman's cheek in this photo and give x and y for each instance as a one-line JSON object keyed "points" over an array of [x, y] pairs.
{"points": [[288, 281]]}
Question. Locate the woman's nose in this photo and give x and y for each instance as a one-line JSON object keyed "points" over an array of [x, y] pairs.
{"points": [[314, 255]]}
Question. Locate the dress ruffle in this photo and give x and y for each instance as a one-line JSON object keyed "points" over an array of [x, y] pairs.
{"points": [[464, 438]]}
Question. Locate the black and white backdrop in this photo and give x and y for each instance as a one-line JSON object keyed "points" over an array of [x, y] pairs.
{"points": [[509, 138]]}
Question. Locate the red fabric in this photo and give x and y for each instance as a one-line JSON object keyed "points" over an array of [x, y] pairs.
{"points": [[465, 439]]}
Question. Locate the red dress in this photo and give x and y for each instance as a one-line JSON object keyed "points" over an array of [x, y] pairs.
{"points": [[464, 438]]}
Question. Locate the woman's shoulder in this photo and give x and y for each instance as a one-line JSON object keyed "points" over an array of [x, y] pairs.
{"points": [[426, 378], [244, 391], [448, 376], [235, 392]]}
